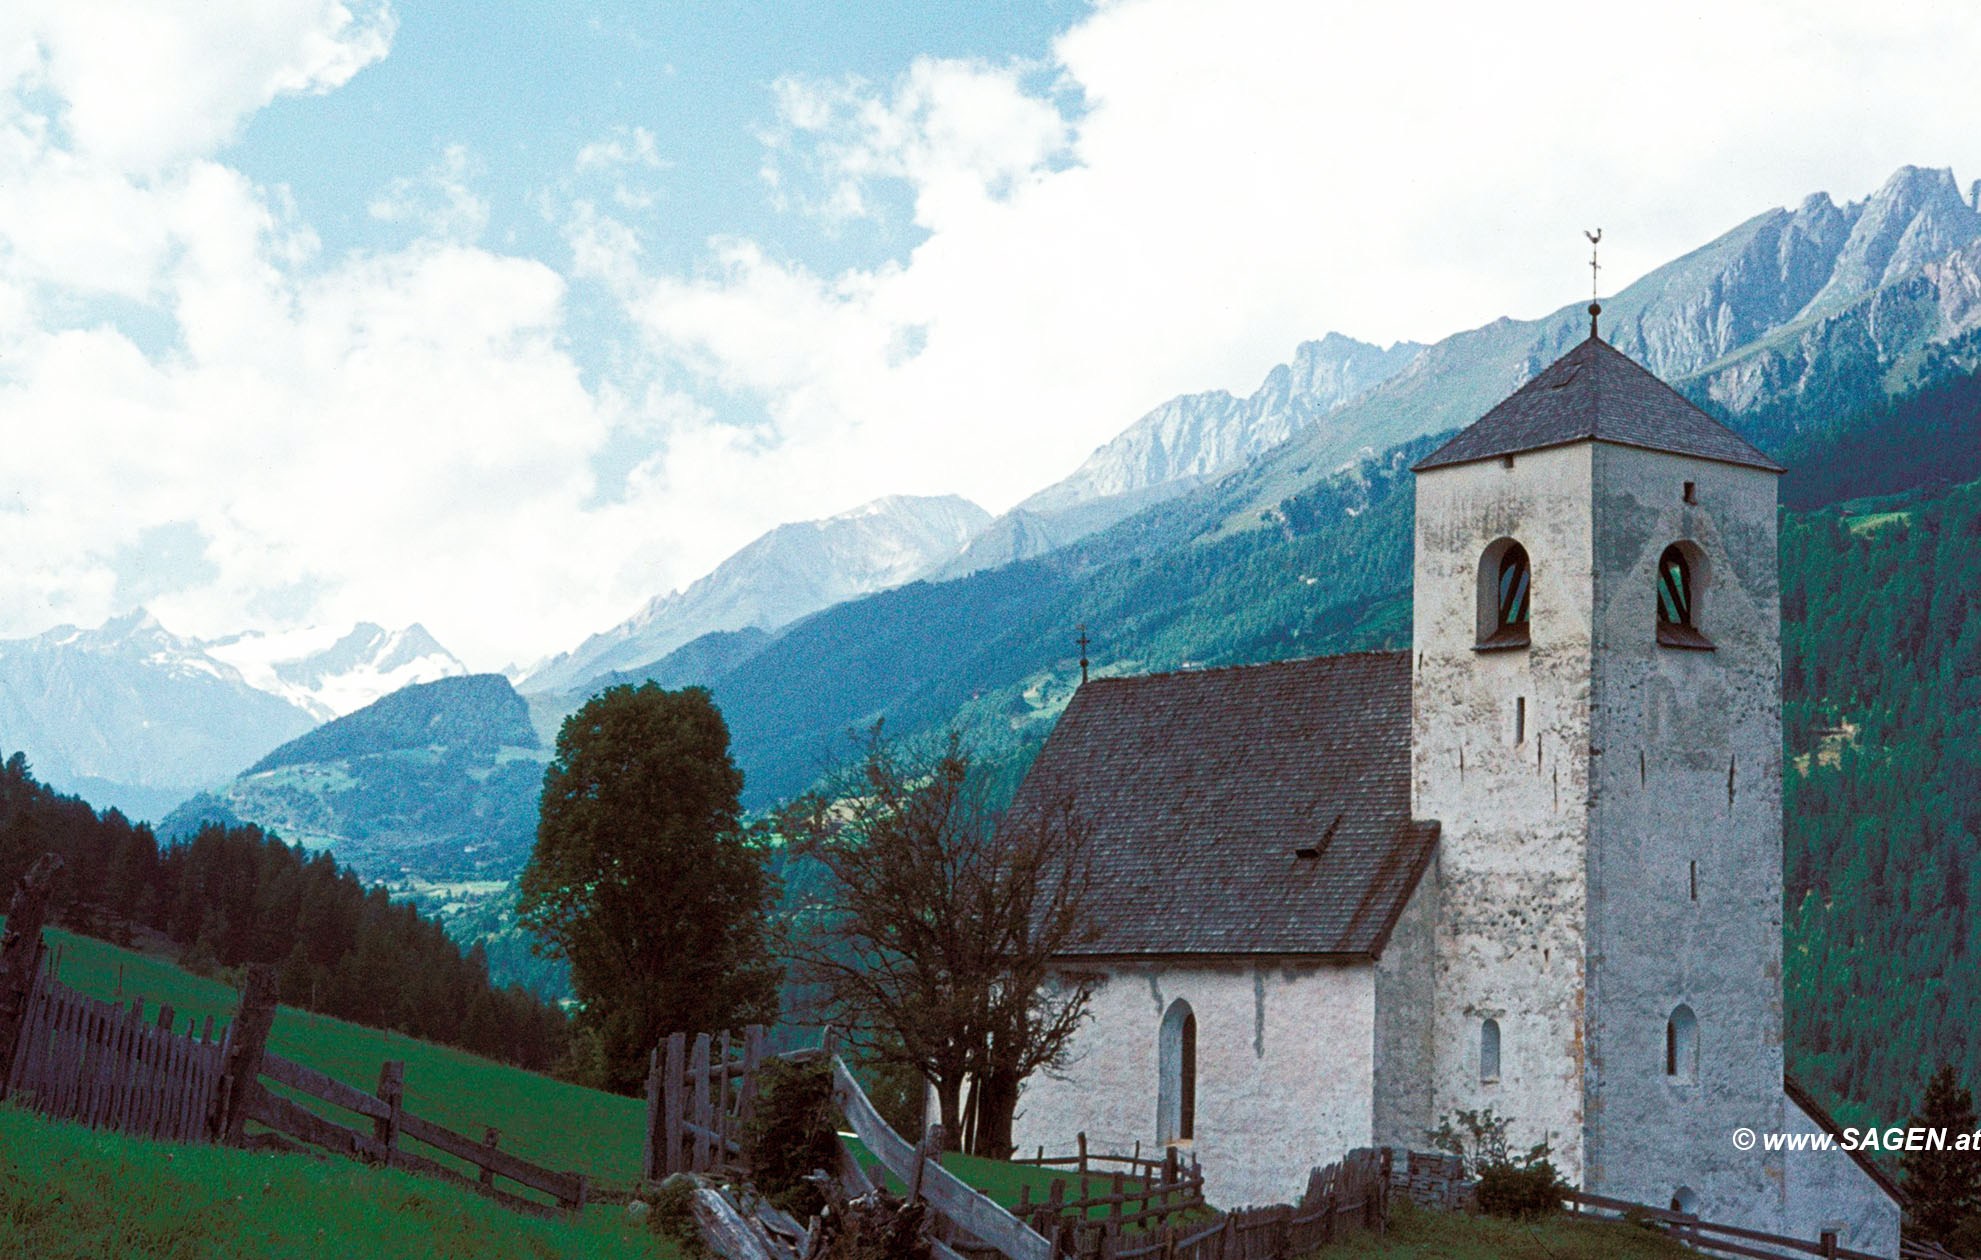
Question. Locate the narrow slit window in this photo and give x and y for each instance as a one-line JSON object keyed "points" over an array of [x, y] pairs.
{"points": [[1695, 881], [1682, 1045], [1520, 720], [1489, 1052], [1691, 492]]}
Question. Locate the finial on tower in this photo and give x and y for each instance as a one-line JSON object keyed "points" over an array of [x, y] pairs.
{"points": [[1083, 641], [1595, 306]]}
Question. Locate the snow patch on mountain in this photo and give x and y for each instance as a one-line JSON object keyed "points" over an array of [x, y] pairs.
{"points": [[330, 673], [791, 572]]}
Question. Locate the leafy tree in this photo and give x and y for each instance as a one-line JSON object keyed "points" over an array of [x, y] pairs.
{"points": [[644, 879], [1944, 1186], [937, 930]]}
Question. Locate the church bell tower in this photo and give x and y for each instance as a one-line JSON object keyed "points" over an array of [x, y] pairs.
{"points": [[1596, 724]]}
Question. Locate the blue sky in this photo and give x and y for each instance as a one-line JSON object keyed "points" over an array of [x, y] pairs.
{"points": [[507, 318], [526, 85]]}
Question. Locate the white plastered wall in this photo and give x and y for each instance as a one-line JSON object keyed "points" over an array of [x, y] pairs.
{"points": [[1285, 1070]]}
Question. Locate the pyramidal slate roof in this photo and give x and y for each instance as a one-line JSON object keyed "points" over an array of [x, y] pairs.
{"points": [[1200, 789], [1596, 392]]}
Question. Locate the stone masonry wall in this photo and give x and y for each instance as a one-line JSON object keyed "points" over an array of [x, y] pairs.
{"points": [[1687, 749], [1512, 804]]}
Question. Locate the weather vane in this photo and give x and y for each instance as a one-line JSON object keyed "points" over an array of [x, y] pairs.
{"points": [[1595, 305]]}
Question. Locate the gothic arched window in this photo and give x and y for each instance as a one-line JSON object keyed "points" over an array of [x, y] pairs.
{"points": [[1176, 1084], [1489, 1051], [1682, 1044], [1680, 577], [1505, 595]]}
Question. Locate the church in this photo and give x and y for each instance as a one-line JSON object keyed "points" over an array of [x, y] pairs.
{"points": [[1534, 864]]}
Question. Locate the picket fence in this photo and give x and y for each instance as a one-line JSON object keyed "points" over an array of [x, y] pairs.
{"points": [[102, 1065]]}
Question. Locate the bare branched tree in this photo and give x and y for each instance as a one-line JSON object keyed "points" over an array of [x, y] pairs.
{"points": [[935, 935]]}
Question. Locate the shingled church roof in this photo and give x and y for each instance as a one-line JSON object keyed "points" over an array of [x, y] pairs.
{"points": [[1596, 392], [1252, 809]]}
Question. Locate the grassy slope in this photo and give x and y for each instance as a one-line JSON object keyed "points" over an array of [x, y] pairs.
{"points": [[66, 1192], [1418, 1234], [548, 1122]]}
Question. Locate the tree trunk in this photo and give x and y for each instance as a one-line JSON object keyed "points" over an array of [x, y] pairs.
{"points": [[948, 1096], [997, 1105]]}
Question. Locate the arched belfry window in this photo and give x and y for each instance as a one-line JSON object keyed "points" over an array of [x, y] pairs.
{"points": [[1176, 1085], [1682, 1044], [1506, 582], [1680, 570], [1489, 1052]]}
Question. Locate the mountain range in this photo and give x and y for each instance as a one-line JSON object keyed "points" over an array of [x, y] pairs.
{"points": [[791, 571], [133, 716]]}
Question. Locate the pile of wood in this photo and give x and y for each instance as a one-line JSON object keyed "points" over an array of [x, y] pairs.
{"points": [[874, 1226]]}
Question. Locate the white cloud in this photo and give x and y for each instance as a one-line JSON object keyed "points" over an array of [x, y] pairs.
{"points": [[1192, 186], [1169, 201], [397, 436], [441, 200], [143, 84]]}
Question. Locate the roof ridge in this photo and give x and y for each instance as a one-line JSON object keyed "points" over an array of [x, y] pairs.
{"points": [[1198, 671]]}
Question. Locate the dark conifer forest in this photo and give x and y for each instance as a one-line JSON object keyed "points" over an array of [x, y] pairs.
{"points": [[1881, 674], [233, 895]]}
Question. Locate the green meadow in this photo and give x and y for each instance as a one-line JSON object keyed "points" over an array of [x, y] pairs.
{"points": [[67, 1193], [548, 1122]]}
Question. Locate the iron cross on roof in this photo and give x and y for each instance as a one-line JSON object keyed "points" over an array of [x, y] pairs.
{"points": [[1083, 641]]}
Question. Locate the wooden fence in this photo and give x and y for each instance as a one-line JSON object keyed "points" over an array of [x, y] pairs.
{"points": [[699, 1097], [102, 1065], [1728, 1240], [71, 1057], [1138, 1194]]}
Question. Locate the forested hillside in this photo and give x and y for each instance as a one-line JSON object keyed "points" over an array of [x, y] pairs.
{"points": [[1881, 656], [231, 895]]}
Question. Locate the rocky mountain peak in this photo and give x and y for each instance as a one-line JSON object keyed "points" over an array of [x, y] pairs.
{"points": [[1918, 216]]}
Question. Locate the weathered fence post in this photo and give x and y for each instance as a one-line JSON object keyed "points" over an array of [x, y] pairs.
{"points": [[1829, 1244], [721, 1116], [931, 1148], [490, 1139], [698, 1069], [649, 1166], [677, 1053], [20, 955], [392, 1092], [248, 1039]]}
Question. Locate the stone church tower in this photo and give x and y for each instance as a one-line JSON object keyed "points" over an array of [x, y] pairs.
{"points": [[1596, 723]]}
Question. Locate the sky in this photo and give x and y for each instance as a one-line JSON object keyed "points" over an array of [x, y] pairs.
{"points": [[506, 318]]}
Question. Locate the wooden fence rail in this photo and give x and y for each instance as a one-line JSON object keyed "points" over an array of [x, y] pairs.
{"points": [[1164, 1188], [1732, 1240], [390, 1124]]}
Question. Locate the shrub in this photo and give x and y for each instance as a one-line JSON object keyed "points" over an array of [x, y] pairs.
{"points": [[674, 1217], [795, 1129], [1519, 1187], [1521, 1190]]}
